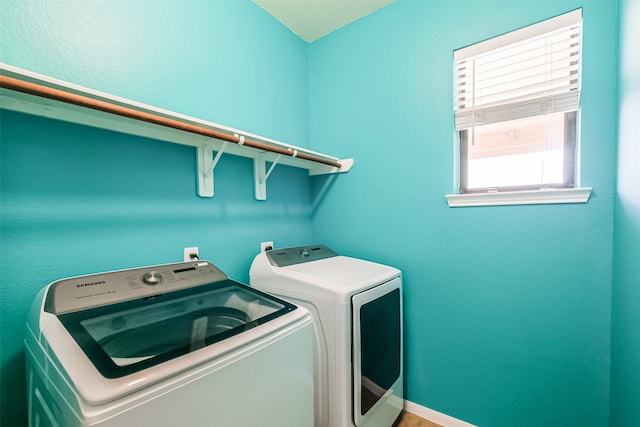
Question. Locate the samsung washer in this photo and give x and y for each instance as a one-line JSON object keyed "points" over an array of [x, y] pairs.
{"points": [[357, 310], [168, 345]]}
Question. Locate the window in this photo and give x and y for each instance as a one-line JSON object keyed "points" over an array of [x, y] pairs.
{"points": [[516, 101]]}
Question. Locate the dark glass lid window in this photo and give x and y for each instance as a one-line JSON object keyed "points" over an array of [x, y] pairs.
{"points": [[124, 338]]}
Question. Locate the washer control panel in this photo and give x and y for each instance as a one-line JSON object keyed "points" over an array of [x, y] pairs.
{"points": [[298, 255], [81, 293]]}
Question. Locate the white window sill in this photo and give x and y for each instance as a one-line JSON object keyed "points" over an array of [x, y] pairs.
{"points": [[533, 197]]}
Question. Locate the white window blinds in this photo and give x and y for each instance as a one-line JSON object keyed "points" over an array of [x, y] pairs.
{"points": [[529, 72]]}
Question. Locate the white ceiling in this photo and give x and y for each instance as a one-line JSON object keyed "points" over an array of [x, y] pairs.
{"points": [[312, 19]]}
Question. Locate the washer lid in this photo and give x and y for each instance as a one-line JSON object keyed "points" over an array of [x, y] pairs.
{"points": [[155, 314]]}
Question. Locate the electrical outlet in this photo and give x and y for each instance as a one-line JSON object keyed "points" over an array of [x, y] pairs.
{"points": [[266, 246], [191, 254]]}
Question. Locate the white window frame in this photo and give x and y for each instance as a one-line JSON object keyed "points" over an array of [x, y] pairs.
{"points": [[565, 100]]}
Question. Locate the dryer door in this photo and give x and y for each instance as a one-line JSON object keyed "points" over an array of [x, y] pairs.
{"points": [[377, 349]]}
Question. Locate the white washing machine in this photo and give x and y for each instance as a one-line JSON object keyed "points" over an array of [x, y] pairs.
{"points": [[168, 345], [357, 311]]}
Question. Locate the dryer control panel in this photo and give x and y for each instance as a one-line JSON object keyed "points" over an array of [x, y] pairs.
{"points": [[298, 255], [84, 292]]}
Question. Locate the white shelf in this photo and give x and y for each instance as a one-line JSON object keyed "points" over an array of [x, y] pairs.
{"points": [[268, 151]]}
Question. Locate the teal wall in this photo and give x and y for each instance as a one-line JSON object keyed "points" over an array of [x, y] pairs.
{"points": [[507, 308], [226, 61], [625, 360], [78, 200]]}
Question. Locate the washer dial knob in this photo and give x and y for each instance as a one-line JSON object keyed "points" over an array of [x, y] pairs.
{"points": [[152, 278]]}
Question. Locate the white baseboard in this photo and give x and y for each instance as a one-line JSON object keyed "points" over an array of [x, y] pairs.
{"points": [[435, 416]]}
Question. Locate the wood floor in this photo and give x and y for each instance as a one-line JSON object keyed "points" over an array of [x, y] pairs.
{"points": [[411, 420]]}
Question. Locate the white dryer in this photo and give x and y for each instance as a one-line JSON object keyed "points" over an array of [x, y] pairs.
{"points": [[357, 310], [168, 345]]}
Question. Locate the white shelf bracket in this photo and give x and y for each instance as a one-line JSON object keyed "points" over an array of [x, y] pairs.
{"points": [[206, 165], [261, 174]]}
